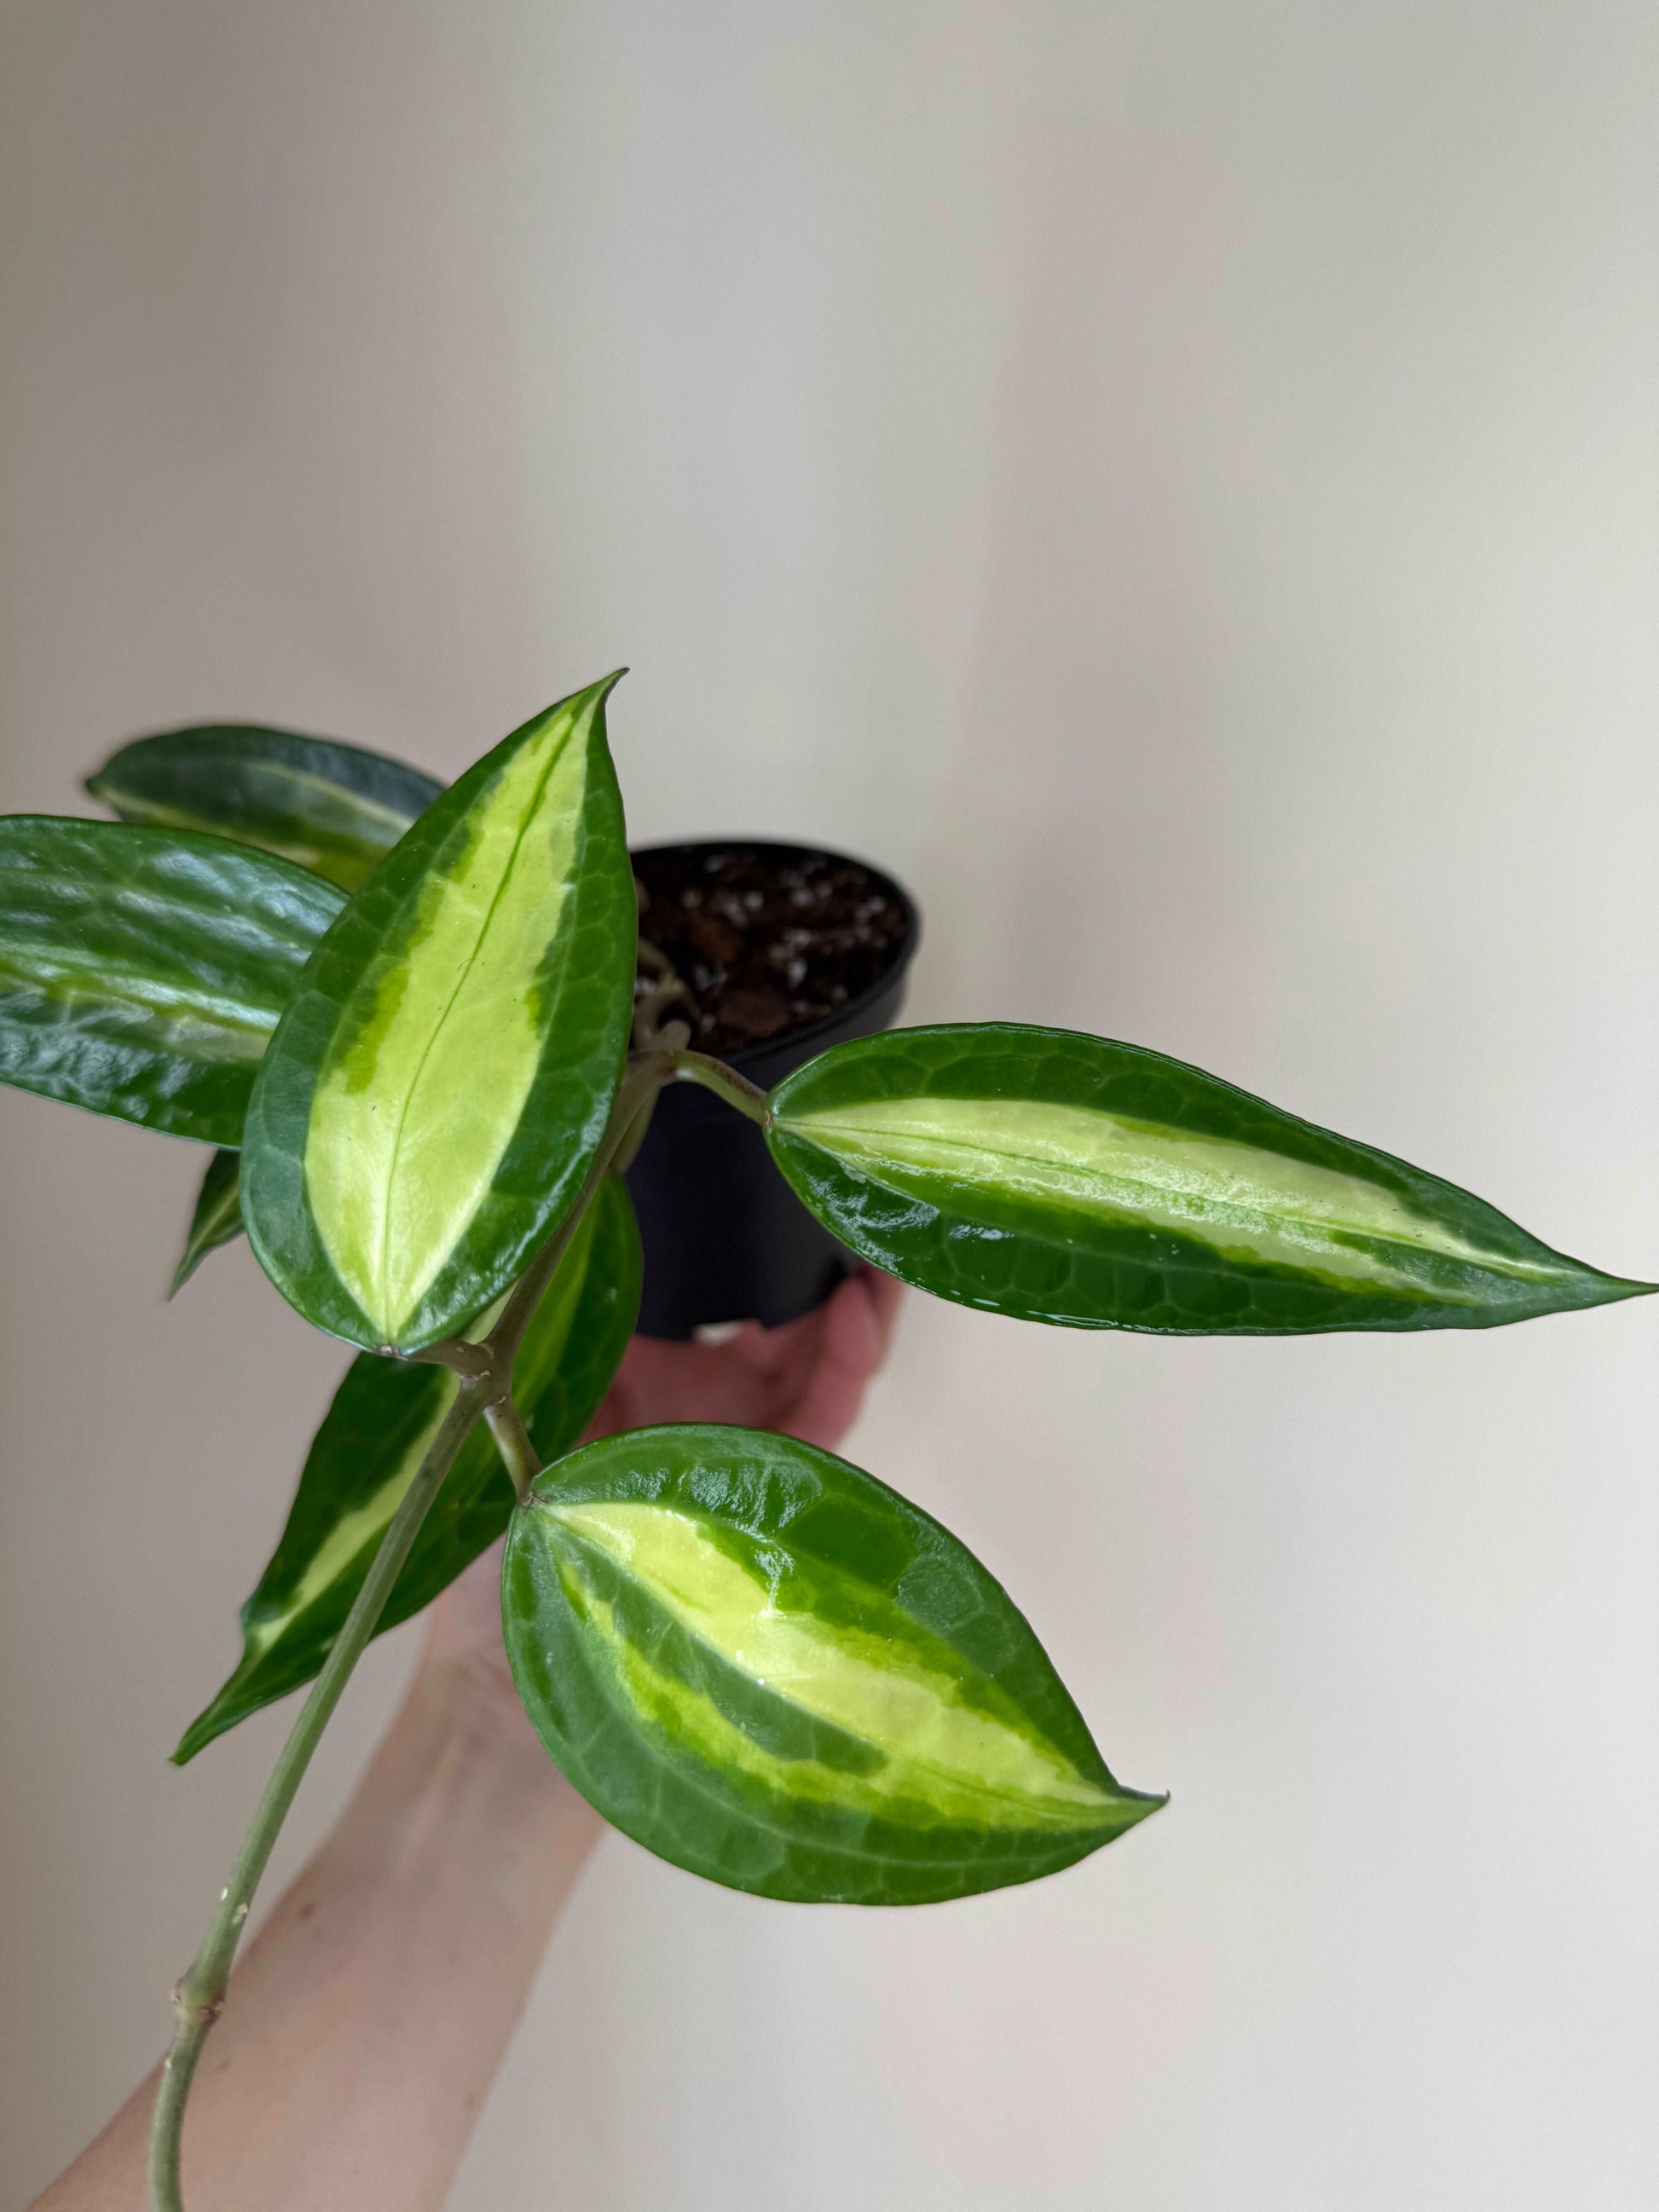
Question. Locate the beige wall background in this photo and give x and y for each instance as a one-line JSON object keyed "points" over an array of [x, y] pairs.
{"points": [[1176, 480]]}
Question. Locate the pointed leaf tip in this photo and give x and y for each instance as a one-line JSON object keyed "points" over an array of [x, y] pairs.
{"points": [[1070, 1179], [438, 1089], [767, 1668], [217, 1219]]}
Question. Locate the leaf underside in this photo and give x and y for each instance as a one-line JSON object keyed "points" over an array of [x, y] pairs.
{"points": [[1069, 1179], [333, 808], [769, 1669]]}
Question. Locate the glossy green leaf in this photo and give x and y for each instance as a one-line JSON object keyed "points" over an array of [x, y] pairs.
{"points": [[384, 1414], [1064, 1178], [441, 1083], [766, 1667], [333, 808], [217, 1219], [142, 971]]}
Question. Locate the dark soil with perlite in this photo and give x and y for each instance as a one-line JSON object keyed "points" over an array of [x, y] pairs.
{"points": [[765, 948]]}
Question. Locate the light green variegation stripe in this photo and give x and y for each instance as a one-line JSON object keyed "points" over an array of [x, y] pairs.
{"points": [[1246, 1203], [331, 807], [360, 1523], [193, 1019], [383, 1418], [367, 819], [350, 1533], [935, 1746], [691, 1720], [412, 1117], [216, 1218]]}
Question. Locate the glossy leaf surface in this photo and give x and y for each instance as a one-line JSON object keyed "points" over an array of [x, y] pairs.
{"points": [[334, 808], [142, 971], [1065, 1178], [440, 1082], [217, 1219], [384, 1416], [767, 1667]]}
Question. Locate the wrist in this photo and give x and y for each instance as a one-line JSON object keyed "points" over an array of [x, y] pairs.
{"points": [[461, 1790], [465, 1707]]}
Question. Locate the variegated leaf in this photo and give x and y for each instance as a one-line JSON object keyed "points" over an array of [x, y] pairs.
{"points": [[142, 971], [217, 1219], [384, 1414], [766, 1667], [334, 808], [441, 1083], [1065, 1178]]}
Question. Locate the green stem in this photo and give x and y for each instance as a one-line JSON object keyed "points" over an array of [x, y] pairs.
{"points": [[725, 1082], [200, 1996], [648, 1034], [470, 1361], [506, 1424]]}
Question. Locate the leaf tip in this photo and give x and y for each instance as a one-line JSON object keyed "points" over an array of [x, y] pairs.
{"points": [[1590, 1287], [601, 692], [209, 1724], [1139, 1805]]}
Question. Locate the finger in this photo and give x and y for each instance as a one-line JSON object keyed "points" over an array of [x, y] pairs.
{"points": [[763, 1352], [849, 1349], [650, 1375]]}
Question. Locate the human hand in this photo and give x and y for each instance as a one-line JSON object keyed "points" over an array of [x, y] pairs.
{"points": [[806, 1379]]}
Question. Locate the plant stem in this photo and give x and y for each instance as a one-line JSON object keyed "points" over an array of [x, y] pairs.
{"points": [[670, 985], [506, 1424], [725, 1082], [647, 1033], [485, 1371], [200, 1996], [470, 1361]]}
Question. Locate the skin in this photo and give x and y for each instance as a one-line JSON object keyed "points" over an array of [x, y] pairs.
{"points": [[365, 2023]]}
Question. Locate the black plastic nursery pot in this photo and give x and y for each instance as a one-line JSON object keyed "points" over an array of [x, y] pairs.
{"points": [[726, 1239]]}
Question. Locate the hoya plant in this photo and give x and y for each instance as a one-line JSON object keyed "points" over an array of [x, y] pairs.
{"points": [[417, 1030]]}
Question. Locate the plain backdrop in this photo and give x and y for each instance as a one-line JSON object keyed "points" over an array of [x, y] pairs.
{"points": [[1176, 481]]}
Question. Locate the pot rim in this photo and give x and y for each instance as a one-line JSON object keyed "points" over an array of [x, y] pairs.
{"points": [[792, 1039]]}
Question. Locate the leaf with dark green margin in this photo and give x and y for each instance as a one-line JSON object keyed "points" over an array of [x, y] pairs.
{"points": [[217, 1219], [766, 1667], [384, 1415], [440, 1084], [144, 971], [333, 808], [1066, 1178]]}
